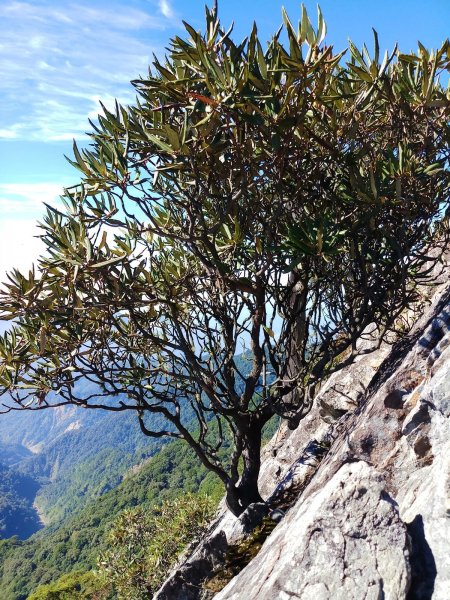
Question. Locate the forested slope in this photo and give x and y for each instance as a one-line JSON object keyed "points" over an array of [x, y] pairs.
{"points": [[17, 494], [76, 543]]}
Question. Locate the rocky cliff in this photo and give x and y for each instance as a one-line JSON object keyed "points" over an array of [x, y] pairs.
{"points": [[362, 488]]}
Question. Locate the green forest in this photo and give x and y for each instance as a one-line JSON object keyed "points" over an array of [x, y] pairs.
{"points": [[75, 541]]}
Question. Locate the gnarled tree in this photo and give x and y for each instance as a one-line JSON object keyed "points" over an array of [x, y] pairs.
{"points": [[232, 236]]}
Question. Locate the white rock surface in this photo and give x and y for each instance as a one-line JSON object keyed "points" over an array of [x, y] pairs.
{"points": [[347, 541]]}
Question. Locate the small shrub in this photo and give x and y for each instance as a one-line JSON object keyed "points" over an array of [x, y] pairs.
{"points": [[144, 547], [76, 585]]}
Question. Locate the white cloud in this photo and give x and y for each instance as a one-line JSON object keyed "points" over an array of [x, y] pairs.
{"points": [[45, 66], [22, 200], [56, 62], [36, 42], [55, 59], [8, 134], [21, 206], [166, 9], [19, 246]]}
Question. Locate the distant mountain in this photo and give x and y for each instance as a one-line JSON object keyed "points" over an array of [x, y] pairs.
{"points": [[77, 454], [35, 430], [17, 494], [80, 467], [74, 454], [75, 543], [13, 454], [86, 463]]}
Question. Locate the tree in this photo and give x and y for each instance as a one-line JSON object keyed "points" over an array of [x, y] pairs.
{"points": [[233, 235]]}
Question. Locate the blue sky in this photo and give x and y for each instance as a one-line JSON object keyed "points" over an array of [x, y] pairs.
{"points": [[58, 58]]}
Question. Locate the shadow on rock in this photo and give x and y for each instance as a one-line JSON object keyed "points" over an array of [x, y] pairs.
{"points": [[423, 565]]}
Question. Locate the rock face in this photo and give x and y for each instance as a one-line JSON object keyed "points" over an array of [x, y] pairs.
{"points": [[321, 552], [370, 515]]}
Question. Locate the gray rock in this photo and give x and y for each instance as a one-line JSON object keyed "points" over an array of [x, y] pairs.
{"points": [[343, 389], [424, 496], [346, 542]]}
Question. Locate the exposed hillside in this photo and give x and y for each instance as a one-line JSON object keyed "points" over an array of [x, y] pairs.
{"points": [[36, 430]]}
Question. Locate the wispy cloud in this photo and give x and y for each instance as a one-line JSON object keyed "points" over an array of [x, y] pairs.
{"points": [[8, 134], [24, 200], [58, 59], [20, 208], [166, 9], [20, 245]]}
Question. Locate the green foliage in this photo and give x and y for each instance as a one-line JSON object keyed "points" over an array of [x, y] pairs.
{"points": [[75, 543], [77, 585], [142, 548]]}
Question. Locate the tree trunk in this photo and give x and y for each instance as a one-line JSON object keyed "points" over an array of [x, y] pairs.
{"points": [[295, 347], [239, 496]]}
